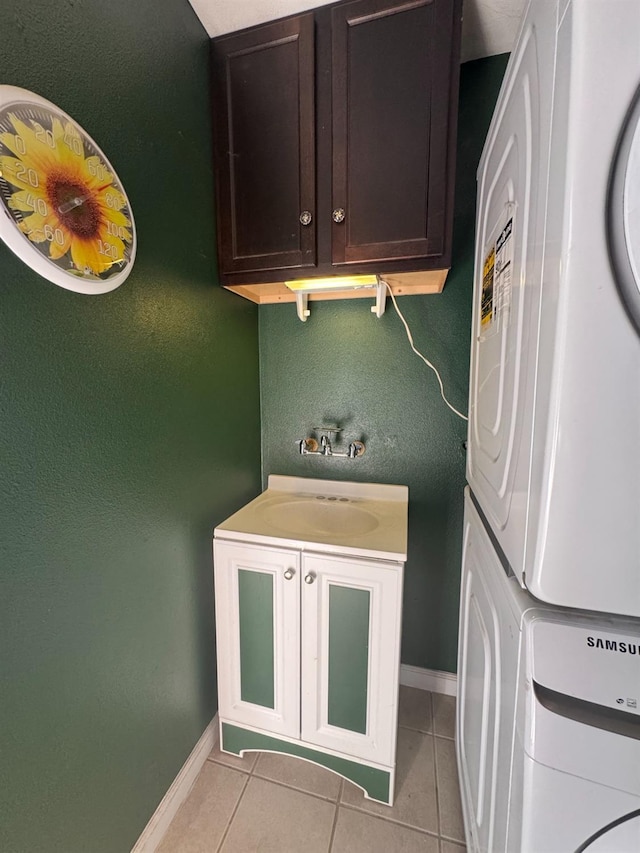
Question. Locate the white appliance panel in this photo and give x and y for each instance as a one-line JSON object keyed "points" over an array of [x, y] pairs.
{"points": [[487, 666], [569, 746], [479, 706], [554, 428], [578, 777], [601, 666], [583, 542], [547, 760], [508, 264], [564, 811]]}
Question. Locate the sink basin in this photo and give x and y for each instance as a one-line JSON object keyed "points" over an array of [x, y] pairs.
{"points": [[306, 517], [328, 516]]}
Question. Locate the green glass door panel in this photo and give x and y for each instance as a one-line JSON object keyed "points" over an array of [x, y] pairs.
{"points": [[348, 657], [255, 614]]}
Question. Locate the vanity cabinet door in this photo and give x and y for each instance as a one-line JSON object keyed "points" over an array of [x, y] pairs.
{"points": [[351, 618], [257, 594]]}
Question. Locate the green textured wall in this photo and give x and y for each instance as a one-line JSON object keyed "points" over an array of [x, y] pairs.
{"points": [[129, 427], [344, 366]]}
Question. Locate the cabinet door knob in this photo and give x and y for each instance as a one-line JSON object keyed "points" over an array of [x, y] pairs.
{"points": [[309, 578], [338, 214], [306, 217], [289, 574]]}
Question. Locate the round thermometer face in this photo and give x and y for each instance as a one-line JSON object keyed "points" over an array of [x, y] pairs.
{"points": [[63, 210]]}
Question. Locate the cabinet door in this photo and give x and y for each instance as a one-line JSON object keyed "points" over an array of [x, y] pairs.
{"points": [[395, 82], [257, 593], [263, 111], [351, 617]]}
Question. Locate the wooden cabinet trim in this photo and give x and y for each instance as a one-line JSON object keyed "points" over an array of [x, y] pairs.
{"points": [[402, 284]]}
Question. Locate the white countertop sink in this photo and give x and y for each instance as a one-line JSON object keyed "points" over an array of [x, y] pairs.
{"points": [[357, 519]]}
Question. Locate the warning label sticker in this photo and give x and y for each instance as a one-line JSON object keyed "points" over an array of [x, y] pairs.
{"points": [[487, 288], [496, 280]]}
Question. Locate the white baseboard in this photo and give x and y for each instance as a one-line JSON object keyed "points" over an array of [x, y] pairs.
{"points": [[429, 679], [155, 830]]}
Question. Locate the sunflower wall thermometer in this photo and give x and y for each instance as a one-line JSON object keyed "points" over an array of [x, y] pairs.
{"points": [[63, 210]]}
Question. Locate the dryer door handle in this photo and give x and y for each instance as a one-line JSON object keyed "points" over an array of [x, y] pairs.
{"points": [[623, 212]]}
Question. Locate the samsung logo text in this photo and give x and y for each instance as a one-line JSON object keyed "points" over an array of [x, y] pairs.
{"points": [[614, 645]]}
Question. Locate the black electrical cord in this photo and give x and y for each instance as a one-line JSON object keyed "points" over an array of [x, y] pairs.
{"points": [[601, 832]]}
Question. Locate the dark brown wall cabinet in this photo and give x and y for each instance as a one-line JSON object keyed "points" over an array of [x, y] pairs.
{"points": [[334, 144]]}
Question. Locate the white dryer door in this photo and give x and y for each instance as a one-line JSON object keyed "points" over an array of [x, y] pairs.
{"points": [[623, 214]]}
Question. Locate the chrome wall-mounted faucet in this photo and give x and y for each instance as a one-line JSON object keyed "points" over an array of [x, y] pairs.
{"points": [[310, 447], [325, 444]]}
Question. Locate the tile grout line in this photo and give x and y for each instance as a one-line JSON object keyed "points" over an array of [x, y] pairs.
{"points": [[323, 798], [299, 790], [443, 837], [411, 729], [338, 802], [281, 784], [335, 816], [219, 754], [421, 732], [230, 766], [286, 785], [233, 813], [444, 737], [435, 768], [392, 820], [218, 761], [449, 838]]}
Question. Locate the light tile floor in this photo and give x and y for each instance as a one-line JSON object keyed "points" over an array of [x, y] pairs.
{"points": [[271, 803]]}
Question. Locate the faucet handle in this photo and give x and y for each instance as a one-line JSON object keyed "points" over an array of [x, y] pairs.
{"points": [[356, 448], [307, 445]]}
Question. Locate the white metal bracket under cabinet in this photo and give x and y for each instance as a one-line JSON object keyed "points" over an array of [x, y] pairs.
{"points": [[308, 658]]}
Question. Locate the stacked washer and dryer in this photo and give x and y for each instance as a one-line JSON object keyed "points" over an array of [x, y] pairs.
{"points": [[548, 727]]}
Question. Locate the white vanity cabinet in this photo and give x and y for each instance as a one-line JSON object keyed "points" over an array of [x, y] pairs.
{"points": [[308, 595], [308, 648]]}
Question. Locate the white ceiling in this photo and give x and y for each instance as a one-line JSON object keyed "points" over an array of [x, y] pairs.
{"points": [[489, 26]]}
